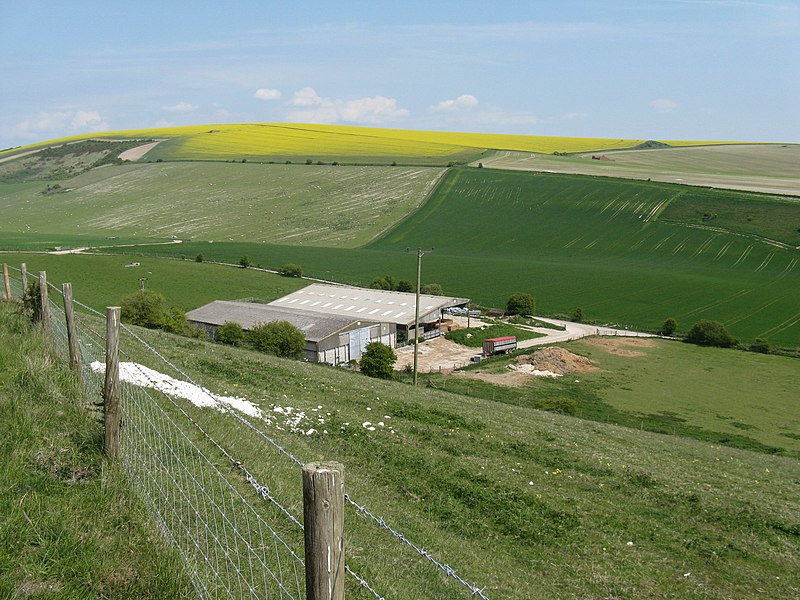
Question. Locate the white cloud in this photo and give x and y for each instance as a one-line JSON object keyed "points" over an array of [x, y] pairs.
{"points": [[164, 123], [463, 102], [267, 94], [60, 123], [664, 105], [316, 109], [577, 115], [222, 113], [181, 107]]}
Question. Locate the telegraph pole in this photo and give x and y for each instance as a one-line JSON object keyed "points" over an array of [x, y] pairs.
{"points": [[420, 254]]}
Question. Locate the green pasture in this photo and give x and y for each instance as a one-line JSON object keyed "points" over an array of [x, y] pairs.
{"points": [[728, 397], [291, 204], [101, 280], [523, 502]]}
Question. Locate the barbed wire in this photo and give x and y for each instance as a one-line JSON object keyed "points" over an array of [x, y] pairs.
{"points": [[476, 591]]}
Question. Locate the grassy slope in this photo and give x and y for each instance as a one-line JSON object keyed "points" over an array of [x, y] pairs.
{"points": [[596, 243], [101, 281], [772, 167], [523, 502], [743, 400], [321, 206], [70, 528]]}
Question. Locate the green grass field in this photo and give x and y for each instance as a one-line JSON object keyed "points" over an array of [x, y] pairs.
{"points": [[101, 281], [727, 397], [70, 525], [291, 204], [523, 502]]}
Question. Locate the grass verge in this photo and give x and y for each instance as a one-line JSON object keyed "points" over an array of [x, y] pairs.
{"points": [[70, 526]]}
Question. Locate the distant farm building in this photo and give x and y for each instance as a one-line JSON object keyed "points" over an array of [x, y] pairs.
{"points": [[337, 321], [329, 338], [396, 308]]}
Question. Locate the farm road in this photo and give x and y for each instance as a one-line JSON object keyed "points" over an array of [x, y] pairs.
{"points": [[442, 354]]}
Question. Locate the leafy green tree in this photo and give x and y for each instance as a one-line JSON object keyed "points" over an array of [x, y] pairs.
{"points": [[230, 333], [280, 338], [149, 309], [378, 361], [669, 327], [245, 262], [578, 315], [520, 303], [710, 333], [199, 257], [432, 289], [383, 283], [291, 270], [404, 285]]}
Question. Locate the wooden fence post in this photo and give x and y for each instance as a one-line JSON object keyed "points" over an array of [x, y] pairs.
{"points": [[72, 338], [24, 270], [7, 282], [45, 307], [111, 411], [323, 515]]}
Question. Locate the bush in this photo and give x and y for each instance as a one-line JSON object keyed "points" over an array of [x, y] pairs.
{"points": [[761, 345], [378, 361], [578, 315], [404, 285], [520, 303], [230, 333], [199, 258], [280, 338], [291, 270], [383, 283], [432, 289], [245, 262], [669, 327], [32, 302], [149, 309], [710, 333]]}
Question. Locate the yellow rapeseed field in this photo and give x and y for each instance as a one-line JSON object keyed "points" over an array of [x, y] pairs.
{"points": [[341, 142]]}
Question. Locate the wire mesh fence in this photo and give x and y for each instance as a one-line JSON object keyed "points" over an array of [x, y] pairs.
{"points": [[236, 528]]}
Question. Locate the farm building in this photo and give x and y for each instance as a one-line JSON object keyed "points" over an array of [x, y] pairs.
{"points": [[329, 338], [396, 308]]}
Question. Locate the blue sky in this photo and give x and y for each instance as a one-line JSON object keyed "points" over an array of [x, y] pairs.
{"points": [[671, 69]]}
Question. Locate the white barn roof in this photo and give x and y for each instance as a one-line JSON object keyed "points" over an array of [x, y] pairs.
{"points": [[363, 303]]}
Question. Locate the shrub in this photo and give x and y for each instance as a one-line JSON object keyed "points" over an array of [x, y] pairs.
{"points": [[761, 345], [245, 262], [404, 285], [520, 303], [280, 338], [32, 302], [382, 283], [230, 333], [669, 327], [432, 289], [199, 258], [710, 333], [291, 270], [578, 315], [378, 361], [149, 309]]}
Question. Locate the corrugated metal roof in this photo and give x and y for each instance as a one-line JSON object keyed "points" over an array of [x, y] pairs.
{"points": [[380, 305], [315, 326]]}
